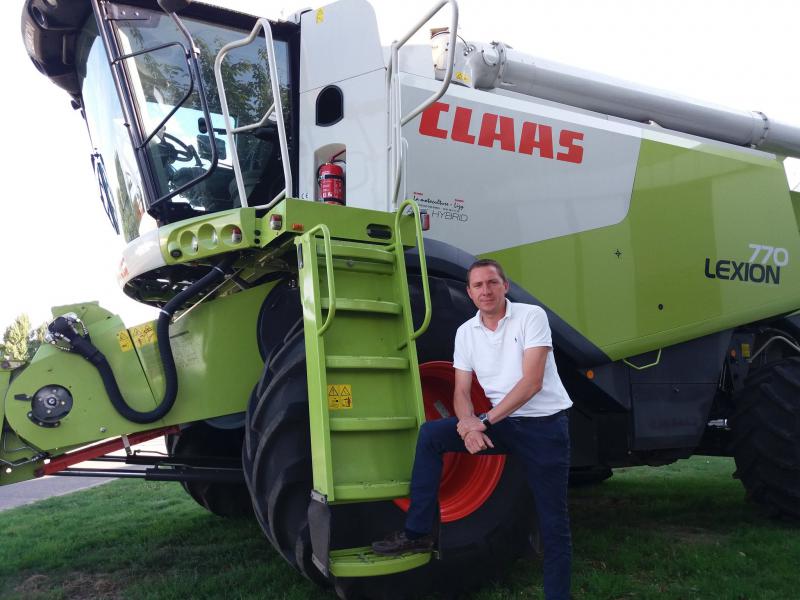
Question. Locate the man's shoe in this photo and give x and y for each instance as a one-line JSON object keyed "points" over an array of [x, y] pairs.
{"points": [[397, 543]]}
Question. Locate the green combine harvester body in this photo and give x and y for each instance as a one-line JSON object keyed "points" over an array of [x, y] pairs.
{"points": [[310, 282]]}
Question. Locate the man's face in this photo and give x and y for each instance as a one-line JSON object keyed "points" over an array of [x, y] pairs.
{"points": [[487, 290]]}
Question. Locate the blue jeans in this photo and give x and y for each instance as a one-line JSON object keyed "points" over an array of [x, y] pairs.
{"points": [[542, 445]]}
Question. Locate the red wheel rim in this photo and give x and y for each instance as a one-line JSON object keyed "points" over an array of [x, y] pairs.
{"points": [[467, 480]]}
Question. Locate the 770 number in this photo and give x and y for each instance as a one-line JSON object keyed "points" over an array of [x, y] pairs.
{"points": [[780, 256]]}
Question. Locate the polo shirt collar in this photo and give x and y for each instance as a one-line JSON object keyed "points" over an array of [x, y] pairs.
{"points": [[478, 322]]}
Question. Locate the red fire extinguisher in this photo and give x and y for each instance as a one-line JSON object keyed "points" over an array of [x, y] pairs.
{"points": [[330, 177]]}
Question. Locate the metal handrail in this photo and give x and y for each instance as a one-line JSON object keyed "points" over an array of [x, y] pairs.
{"points": [[326, 244], [396, 122], [423, 266], [277, 108]]}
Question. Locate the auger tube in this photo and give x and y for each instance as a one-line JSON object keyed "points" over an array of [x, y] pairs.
{"points": [[495, 65]]}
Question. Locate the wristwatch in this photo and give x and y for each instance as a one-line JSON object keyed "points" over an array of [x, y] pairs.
{"points": [[484, 418]]}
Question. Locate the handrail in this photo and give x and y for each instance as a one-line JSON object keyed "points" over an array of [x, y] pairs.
{"points": [[326, 243], [396, 122], [423, 266], [277, 107]]}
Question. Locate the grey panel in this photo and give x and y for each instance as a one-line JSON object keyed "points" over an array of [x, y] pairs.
{"points": [[670, 415]]}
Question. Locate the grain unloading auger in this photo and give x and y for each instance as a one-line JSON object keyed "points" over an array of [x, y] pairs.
{"points": [[302, 340]]}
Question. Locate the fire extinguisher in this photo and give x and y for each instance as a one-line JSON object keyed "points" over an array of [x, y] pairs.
{"points": [[330, 177]]}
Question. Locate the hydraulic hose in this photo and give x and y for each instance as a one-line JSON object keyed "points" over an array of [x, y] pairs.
{"points": [[82, 345]]}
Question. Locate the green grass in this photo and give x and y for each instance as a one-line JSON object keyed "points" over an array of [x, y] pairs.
{"points": [[680, 532]]}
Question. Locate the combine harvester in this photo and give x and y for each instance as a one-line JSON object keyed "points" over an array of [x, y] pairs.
{"points": [[273, 196]]}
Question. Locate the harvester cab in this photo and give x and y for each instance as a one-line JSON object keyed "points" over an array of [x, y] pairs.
{"points": [[149, 88]]}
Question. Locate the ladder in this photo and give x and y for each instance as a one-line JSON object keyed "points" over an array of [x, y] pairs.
{"points": [[365, 399]]}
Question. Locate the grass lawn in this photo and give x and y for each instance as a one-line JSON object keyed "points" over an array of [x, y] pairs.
{"points": [[679, 532]]}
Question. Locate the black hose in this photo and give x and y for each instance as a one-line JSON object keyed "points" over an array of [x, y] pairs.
{"points": [[83, 346]]}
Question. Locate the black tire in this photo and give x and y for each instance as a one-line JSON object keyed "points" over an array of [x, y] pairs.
{"points": [[765, 430], [202, 440], [277, 464]]}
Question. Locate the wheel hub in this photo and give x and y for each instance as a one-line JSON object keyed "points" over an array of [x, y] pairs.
{"points": [[467, 480]]}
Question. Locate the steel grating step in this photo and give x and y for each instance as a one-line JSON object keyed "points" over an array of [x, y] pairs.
{"points": [[363, 562]]}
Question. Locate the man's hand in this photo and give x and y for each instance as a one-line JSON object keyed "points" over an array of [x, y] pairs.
{"points": [[475, 441], [468, 424]]}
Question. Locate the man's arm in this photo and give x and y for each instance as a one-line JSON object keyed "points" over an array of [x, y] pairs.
{"points": [[474, 440], [533, 362], [462, 401]]}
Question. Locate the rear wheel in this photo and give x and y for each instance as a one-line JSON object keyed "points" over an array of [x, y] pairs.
{"points": [[766, 436], [277, 462], [201, 440]]}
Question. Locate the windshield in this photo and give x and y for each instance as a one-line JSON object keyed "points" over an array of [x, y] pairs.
{"points": [[113, 156], [167, 101]]}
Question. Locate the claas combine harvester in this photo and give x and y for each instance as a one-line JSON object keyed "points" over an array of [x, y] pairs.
{"points": [[303, 218]]}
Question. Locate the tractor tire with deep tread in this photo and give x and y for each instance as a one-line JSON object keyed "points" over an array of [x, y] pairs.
{"points": [[198, 440], [277, 463], [765, 430]]}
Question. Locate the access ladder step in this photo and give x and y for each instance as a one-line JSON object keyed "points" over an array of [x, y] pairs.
{"points": [[359, 251], [372, 490], [367, 362], [363, 562], [372, 423], [362, 305]]}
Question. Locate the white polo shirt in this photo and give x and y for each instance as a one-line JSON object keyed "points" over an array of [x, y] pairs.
{"points": [[496, 357]]}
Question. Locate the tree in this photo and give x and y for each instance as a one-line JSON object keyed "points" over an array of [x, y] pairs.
{"points": [[20, 341]]}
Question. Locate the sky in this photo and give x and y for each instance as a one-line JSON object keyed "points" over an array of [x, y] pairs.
{"points": [[57, 247]]}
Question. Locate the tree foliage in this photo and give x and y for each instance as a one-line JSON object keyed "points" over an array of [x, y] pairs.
{"points": [[20, 340]]}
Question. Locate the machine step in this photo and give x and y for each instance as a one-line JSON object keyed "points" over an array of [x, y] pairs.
{"points": [[362, 305], [372, 490], [363, 562], [367, 362], [361, 251], [373, 423]]}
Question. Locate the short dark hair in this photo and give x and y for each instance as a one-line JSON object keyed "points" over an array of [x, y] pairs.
{"points": [[487, 262]]}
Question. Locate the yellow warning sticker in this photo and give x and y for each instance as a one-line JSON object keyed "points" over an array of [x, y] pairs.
{"points": [[461, 76], [125, 342], [745, 350], [320, 15], [143, 335], [340, 396]]}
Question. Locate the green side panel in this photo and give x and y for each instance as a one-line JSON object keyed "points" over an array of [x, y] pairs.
{"points": [[215, 347], [92, 416], [216, 355], [365, 400], [669, 271], [362, 562]]}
